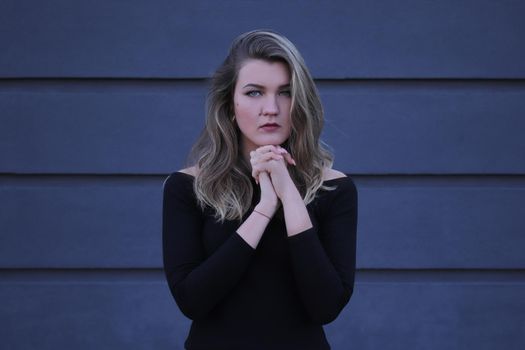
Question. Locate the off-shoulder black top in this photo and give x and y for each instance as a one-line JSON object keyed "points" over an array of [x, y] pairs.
{"points": [[276, 296]]}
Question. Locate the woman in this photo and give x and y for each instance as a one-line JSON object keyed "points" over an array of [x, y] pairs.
{"points": [[259, 233]]}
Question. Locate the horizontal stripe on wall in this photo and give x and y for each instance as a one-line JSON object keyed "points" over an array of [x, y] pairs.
{"points": [[363, 276], [83, 315], [404, 222], [374, 128], [339, 39]]}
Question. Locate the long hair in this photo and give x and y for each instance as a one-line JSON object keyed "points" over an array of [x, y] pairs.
{"points": [[223, 180]]}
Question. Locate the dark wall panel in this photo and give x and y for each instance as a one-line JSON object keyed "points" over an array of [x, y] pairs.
{"points": [[339, 39], [430, 128], [378, 128], [105, 222], [105, 132], [81, 224], [91, 314], [442, 223], [436, 315]]}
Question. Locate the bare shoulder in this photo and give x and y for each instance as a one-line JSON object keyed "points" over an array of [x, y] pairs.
{"points": [[330, 174], [190, 171]]}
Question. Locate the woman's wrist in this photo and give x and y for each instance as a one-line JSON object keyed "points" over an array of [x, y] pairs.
{"points": [[266, 209]]}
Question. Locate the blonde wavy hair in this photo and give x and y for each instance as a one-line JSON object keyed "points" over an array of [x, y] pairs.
{"points": [[223, 181]]}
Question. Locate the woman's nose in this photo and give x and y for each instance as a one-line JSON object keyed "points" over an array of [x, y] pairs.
{"points": [[270, 106]]}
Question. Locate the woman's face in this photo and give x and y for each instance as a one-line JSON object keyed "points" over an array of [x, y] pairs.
{"points": [[262, 103]]}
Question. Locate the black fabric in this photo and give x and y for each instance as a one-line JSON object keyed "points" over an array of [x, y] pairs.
{"points": [[277, 296]]}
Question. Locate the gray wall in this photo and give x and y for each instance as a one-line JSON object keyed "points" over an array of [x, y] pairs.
{"points": [[100, 100]]}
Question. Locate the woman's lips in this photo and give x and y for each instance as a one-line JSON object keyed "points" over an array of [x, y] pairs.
{"points": [[270, 127]]}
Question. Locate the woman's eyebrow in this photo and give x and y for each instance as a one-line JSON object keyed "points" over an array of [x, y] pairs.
{"points": [[253, 85], [262, 87]]}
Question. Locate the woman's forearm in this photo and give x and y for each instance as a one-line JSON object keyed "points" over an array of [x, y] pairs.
{"points": [[253, 227], [295, 212]]}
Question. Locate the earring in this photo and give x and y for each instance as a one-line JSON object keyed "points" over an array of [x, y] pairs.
{"points": [[233, 118]]}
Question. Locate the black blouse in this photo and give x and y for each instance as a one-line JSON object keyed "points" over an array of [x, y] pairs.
{"points": [[277, 296]]}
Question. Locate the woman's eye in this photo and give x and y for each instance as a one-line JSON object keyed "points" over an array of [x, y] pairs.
{"points": [[253, 93], [285, 93]]}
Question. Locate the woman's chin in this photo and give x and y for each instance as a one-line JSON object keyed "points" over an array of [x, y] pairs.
{"points": [[275, 141]]}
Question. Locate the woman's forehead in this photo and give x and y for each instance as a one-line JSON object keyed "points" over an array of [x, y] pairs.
{"points": [[263, 73]]}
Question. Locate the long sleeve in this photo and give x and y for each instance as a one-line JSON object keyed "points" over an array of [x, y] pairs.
{"points": [[323, 257], [197, 281]]}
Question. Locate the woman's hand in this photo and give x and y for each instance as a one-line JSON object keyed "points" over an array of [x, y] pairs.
{"points": [[268, 202], [269, 164], [273, 161]]}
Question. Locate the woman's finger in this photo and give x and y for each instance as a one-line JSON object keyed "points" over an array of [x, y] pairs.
{"points": [[287, 156], [261, 158], [289, 159], [265, 149]]}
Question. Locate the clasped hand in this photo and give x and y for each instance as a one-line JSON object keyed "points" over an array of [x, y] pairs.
{"points": [[269, 169]]}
